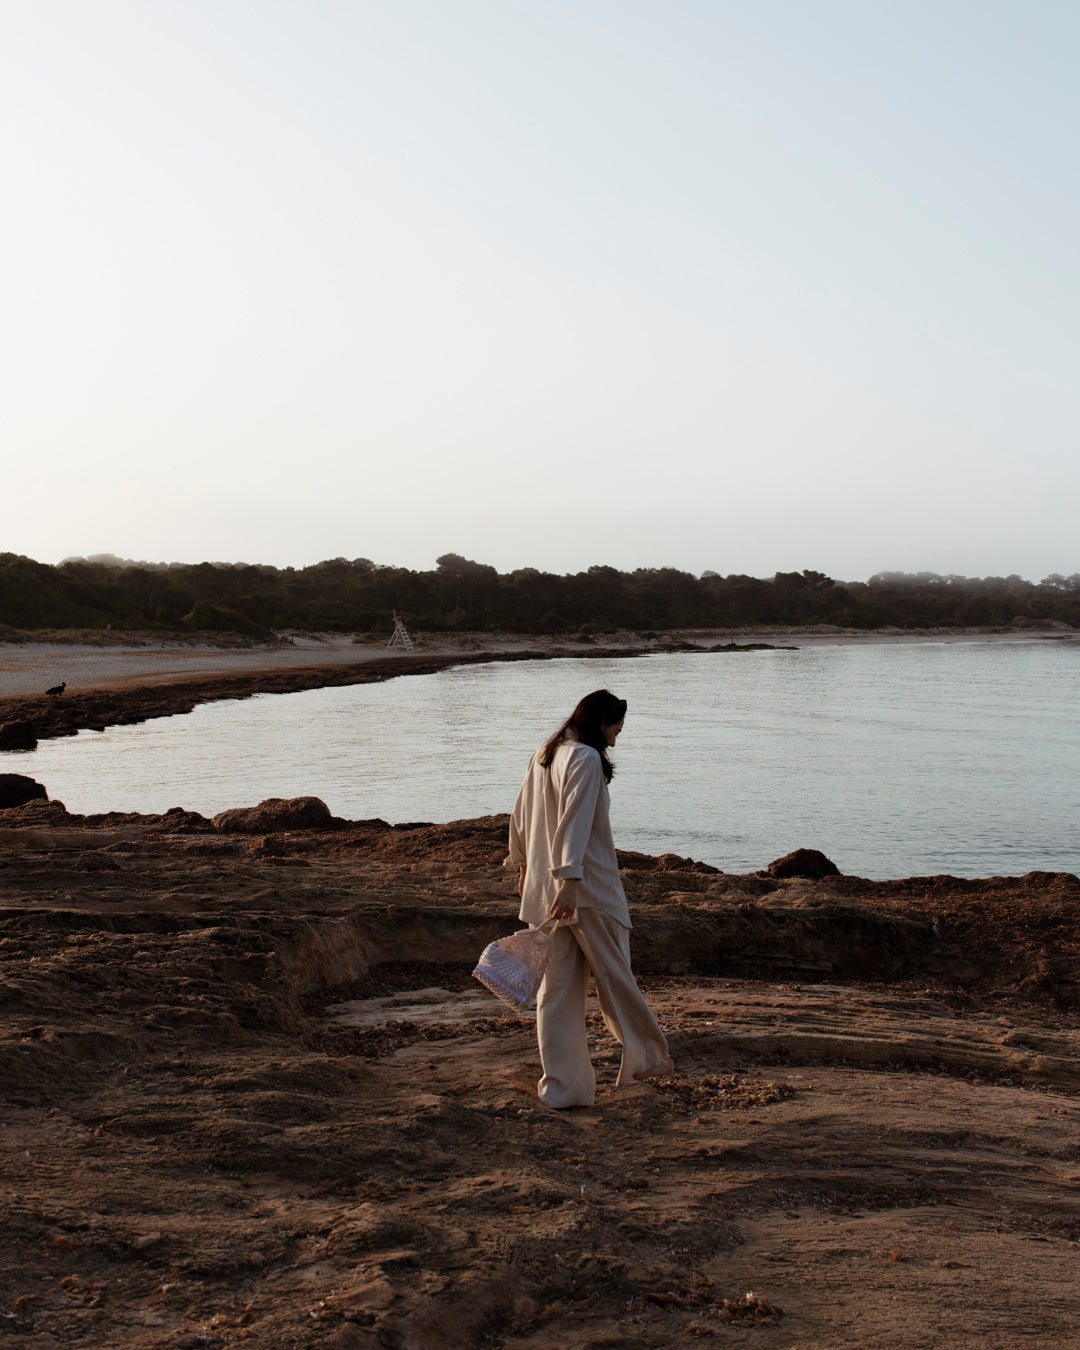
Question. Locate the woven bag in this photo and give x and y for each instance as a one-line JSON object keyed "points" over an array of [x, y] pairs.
{"points": [[513, 968]]}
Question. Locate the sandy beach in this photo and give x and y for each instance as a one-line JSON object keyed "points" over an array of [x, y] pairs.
{"points": [[27, 669], [115, 685]]}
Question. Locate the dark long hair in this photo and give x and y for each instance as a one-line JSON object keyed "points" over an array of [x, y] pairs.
{"points": [[586, 724]]}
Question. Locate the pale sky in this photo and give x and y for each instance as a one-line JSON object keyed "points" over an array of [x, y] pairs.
{"points": [[748, 285]]}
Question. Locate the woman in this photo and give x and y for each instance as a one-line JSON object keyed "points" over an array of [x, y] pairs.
{"points": [[561, 844]]}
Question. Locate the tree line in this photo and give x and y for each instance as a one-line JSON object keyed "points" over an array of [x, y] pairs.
{"points": [[360, 596]]}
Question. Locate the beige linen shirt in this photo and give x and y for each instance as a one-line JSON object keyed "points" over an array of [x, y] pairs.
{"points": [[560, 829]]}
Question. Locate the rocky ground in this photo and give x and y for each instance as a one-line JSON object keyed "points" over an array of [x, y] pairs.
{"points": [[251, 1094]]}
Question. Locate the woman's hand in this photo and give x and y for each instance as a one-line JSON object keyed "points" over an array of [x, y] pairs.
{"points": [[565, 902], [521, 881]]}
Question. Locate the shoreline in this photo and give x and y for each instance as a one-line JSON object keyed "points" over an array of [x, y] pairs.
{"points": [[135, 681], [90, 666]]}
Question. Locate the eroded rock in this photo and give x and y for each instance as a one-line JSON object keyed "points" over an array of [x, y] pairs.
{"points": [[18, 736], [276, 813], [16, 789], [803, 862]]}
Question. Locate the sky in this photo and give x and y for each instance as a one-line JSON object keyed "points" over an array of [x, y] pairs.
{"points": [[547, 283]]}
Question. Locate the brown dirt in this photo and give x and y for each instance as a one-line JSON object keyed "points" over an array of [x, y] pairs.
{"points": [[250, 1093]]}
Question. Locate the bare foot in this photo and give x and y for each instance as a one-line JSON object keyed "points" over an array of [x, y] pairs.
{"points": [[660, 1070]]}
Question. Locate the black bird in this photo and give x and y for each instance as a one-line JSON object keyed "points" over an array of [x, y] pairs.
{"points": [[56, 690]]}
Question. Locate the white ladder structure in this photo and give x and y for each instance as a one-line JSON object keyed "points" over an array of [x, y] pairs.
{"points": [[400, 636]]}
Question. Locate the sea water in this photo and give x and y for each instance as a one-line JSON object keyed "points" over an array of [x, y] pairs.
{"points": [[894, 760]]}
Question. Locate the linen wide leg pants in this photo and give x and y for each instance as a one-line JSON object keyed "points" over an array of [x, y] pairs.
{"points": [[598, 944]]}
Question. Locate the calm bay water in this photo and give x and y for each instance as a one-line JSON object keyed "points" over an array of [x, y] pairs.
{"points": [[895, 760]]}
